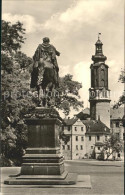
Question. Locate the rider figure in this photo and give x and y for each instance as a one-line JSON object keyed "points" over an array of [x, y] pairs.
{"points": [[44, 50]]}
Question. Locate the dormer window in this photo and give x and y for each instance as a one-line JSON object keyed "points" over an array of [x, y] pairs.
{"points": [[105, 129]]}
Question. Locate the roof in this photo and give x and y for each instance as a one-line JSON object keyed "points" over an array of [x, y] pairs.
{"points": [[84, 114], [98, 42], [86, 111], [117, 113], [96, 126], [70, 121], [98, 63]]}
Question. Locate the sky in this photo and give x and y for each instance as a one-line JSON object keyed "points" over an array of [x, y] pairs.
{"points": [[73, 28]]}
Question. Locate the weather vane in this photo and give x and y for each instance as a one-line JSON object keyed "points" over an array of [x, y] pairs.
{"points": [[99, 36]]}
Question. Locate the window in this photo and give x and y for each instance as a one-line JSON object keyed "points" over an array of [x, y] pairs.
{"points": [[117, 124], [102, 74], [98, 138], [91, 147], [76, 138], [102, 83], [81, 128], [98, 148], [88, 127], [82, 138], [96, 82], [106, 138], [63, 147], [89, 138], [75, 128], [68, 128], [68, 147], [81, 147], [120, 124], [76, 147], [118, 155]]}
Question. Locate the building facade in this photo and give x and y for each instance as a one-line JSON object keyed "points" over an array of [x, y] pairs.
{"points": [[96, 133], [116, 122], [84, 136], [75, 148]]}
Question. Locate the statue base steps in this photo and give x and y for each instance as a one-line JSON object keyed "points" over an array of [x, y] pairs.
{"points": [[64, 179]]}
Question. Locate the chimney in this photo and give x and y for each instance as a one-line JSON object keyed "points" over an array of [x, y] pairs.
{"points": [[98, 117]]}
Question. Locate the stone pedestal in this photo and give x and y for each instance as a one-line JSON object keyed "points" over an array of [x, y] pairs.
{"points": [[43, 163], [43, 155]]}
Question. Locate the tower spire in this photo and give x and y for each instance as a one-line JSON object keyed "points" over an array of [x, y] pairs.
{"points": [[99, 57], [99, 36]]}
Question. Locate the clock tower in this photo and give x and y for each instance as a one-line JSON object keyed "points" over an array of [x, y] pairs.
{"points": [[99, 93]]}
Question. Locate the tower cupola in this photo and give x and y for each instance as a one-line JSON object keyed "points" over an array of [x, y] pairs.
{"points": [[99, 57], [98, 47]]}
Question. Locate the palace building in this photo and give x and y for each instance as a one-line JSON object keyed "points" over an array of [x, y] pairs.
{"points": [[89, 129]]}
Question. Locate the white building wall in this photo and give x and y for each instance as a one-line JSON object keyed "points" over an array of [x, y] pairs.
{"points": [[66, 148], [78, 146]]}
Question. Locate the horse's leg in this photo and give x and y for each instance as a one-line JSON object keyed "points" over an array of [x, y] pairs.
{"points": [[44, 99], [51, 98], [38, 92]]}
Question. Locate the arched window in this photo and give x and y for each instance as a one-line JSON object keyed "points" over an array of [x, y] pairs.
{"points": [[96, 82], [102, 83], [102, 74]]}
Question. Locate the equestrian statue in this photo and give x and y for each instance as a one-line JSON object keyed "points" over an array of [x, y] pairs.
{"points": [[45, 74]]}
